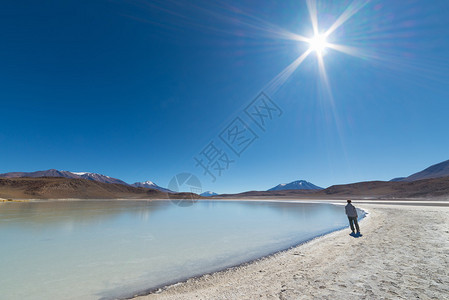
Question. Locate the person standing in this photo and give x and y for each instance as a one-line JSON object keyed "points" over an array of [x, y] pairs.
{"points": [[351, 212]]}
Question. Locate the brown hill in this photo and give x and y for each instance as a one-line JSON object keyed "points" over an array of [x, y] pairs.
{"points": [[427, 188], [61, 188], [66, 174], [46, 173], [435, 171], [271, 194], [435, 187]]}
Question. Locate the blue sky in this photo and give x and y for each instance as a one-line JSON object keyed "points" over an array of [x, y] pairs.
{"points": [[138, 89]]}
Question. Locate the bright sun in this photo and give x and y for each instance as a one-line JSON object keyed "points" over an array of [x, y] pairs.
{"points": [[318, 43]]}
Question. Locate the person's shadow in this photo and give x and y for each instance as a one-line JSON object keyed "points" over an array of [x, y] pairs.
{"points": [[356, 235]]}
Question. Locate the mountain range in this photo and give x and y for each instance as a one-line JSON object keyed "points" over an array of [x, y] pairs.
{"points": [[83, 175], [52, 184], [435, 171], [430, 182], [65, 174], [419, 189], [78, 188]]}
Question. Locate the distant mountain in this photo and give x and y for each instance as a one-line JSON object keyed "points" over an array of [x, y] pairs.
{"points": [[296, 185], [151, 185], [47, 173], [433, 187], [419, 189], [65, 174], [84, 175], [77, 188], [435, 171], [208, 194], [99, 177]]}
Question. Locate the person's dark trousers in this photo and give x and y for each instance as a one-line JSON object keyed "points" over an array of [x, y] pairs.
{"points": [[352, 221]]}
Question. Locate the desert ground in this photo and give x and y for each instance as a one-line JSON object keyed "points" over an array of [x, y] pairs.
{"points": [[403, 253]]}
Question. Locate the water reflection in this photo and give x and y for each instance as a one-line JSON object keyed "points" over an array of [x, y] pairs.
{"points": [[115, 248], [82, 212]]}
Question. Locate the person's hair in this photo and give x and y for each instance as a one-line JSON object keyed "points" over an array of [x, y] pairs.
{"points": [[349, 201]]}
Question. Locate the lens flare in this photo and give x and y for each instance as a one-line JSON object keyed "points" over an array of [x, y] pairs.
{"points": [[318, 43]]}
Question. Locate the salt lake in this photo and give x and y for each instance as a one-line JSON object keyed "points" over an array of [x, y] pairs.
{"points": [[101, 249]]}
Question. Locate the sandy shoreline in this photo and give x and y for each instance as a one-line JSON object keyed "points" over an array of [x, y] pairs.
{"points": [[403, 253]]}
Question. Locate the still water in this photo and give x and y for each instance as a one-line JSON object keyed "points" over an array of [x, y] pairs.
{"points": [[112, 249]]}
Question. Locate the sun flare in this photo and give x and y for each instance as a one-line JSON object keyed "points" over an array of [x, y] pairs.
{"points": [[318, 43]]}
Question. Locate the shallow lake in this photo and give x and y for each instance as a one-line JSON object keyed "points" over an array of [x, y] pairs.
{"points": [[112, 249]]}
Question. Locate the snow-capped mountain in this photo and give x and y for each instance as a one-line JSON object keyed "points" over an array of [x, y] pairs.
{"points": [[296, 185], [208, 194], [151, 185], [46, 173], [66, 174], [84, 175], [99, 177]]}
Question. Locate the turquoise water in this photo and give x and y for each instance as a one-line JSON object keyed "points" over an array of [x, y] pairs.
{"points": [[109, 249]]}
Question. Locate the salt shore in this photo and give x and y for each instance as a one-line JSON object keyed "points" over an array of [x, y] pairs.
{"points": [[403, 254]]}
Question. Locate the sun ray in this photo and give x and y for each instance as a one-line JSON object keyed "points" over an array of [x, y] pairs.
{"points": [[353, 8], [219, 10], [363, 53], [282, 77], [324, 78], [299, 38], [331, 103], [311, 6], [353, 51]]}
